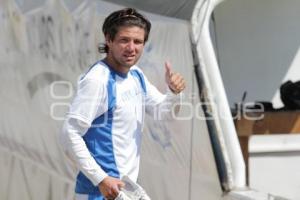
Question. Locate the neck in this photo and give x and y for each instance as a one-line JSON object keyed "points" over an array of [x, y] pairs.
{"points": [[116, 66], [121, 71]]}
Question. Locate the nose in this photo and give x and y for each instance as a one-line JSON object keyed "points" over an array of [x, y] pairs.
{"points": [[130, 46]]}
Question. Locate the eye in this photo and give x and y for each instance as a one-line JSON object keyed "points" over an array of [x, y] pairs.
{"points": [[138, 42], [124, 40]]}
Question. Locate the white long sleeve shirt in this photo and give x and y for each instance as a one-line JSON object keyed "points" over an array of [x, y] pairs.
{"points": [[103, 128]]}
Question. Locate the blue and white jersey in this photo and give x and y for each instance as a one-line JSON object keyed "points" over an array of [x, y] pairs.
{"points": [[104, 126]]}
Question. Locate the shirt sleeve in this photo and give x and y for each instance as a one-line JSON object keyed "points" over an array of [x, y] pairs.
{"points": [[89, 102], [77, 150], [161, 106]]}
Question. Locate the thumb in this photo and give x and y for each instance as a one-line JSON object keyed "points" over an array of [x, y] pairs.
{"points": [[168, 68]]}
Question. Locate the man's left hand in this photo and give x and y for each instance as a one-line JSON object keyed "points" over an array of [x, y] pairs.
{"points": [[174, 80]]}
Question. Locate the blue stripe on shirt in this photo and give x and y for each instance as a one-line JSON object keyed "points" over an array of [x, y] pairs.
{"points": [[99, 143]]}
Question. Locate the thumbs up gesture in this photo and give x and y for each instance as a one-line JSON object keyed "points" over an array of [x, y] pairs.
{"points": [[174, 80]]}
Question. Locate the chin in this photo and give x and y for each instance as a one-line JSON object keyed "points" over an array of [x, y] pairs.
{"points": [[129, 64]]}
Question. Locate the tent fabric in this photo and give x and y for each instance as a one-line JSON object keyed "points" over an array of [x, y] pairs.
{"points": [[181, 9], [44, 48]]}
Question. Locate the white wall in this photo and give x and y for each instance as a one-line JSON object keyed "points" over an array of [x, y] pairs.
{"points": [[274, 164], [258, 43]]}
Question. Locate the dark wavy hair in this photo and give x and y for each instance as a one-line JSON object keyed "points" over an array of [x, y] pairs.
{"points": [[124, 17]]}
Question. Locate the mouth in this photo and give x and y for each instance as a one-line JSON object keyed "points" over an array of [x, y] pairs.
{"points": [[129, 57]]}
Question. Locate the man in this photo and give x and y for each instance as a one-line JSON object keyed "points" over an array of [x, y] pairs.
{"points": [[103, 128]]}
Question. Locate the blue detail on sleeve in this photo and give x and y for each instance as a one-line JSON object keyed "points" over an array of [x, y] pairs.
{"points": [[141, 79], [111, 91], [99, 143]]}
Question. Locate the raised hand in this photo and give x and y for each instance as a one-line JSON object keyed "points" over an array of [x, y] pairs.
{"points": [[174, 80]]}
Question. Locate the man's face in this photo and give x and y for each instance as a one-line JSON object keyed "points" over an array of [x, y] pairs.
{"points": [[127, 47]]}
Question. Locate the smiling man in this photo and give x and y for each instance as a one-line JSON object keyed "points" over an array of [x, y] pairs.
{"points": [[103, 128]]}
